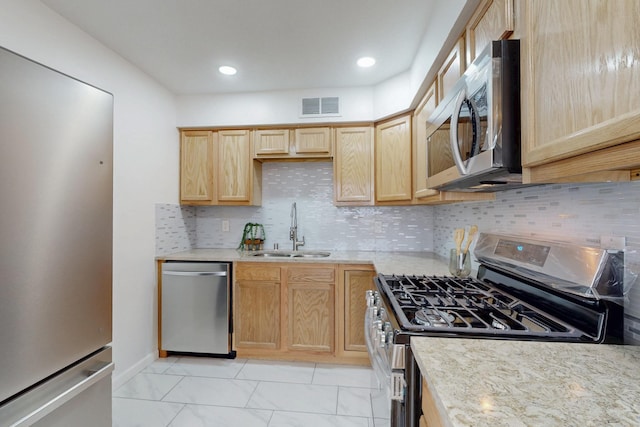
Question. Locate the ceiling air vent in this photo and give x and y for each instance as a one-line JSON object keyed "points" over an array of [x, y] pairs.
{"points": [[321, 107]]}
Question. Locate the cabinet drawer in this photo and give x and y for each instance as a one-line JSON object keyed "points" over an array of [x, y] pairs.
{"points": [[257, 271], [311, 275]]}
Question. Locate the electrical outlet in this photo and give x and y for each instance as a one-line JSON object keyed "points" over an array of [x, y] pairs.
{"points": [[225, 225], [608, 241], [377, 227]]}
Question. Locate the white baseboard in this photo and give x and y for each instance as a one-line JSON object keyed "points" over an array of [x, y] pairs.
{"points": [[123, 377]]}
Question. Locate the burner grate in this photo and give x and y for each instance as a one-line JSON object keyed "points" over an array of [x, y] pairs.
{"points": [[466, 306]]}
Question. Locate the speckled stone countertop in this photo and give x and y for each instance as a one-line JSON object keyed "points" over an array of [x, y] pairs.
{"points": [[522, 383], [384, 262]]}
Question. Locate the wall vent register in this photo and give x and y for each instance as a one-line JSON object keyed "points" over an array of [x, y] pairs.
{"points": [[321, 107]]}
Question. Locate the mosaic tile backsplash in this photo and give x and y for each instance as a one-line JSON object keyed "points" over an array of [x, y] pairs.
{"points": [[576, 213]]}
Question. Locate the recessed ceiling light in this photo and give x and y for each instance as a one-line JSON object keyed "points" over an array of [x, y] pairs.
{"points": [[229, 71], [366, 61]]}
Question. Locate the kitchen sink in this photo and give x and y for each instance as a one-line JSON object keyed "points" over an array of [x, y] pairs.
{"points": [[290, 254]]}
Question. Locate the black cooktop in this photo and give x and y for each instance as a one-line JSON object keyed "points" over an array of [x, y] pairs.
{"points": [[451, 305]]}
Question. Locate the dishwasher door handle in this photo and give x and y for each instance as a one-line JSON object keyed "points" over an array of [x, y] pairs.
{"points": [[194, 273]]}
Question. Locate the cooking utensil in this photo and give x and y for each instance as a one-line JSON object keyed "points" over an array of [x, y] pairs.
{"points": [[458, 237], [473, 230], [462, 259]]}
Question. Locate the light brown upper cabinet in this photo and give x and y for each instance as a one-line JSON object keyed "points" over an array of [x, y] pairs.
{"points": [[419, 144], [451, 70], [393, 161], [236, 171], [216, 168], [493, 20], [196, 167], [580, 76], [292, 144], [270, 141], [353, 166], [313, 141]]}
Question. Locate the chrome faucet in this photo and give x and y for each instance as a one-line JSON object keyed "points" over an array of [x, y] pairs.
{"points": [[293, 230]]}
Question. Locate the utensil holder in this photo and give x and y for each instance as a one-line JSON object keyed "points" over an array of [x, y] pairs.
{"points": [[459, 264]]}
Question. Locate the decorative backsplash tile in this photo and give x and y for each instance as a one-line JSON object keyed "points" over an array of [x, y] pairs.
{"points": [[175, 228], [324, 226], [576, 213]]}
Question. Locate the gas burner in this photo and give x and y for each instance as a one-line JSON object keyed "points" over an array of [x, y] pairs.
{"points": [[433, 317]]}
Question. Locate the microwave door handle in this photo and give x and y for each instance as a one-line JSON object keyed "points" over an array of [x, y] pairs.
{"points": [[453, 132]]}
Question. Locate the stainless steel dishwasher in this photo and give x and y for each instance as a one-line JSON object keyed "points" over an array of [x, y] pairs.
{"points": [[196, 308]]}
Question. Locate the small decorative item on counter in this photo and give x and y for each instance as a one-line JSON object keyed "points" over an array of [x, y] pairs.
{"points": [[253, 237]]}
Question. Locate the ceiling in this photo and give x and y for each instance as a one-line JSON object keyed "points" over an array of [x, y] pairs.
{"points": [[274, 44]]}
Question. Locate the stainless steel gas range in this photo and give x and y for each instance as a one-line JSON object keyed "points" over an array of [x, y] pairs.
{"points": [[524, 290]]}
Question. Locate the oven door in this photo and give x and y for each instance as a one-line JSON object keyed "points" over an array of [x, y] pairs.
{"points": [[388, 361]]}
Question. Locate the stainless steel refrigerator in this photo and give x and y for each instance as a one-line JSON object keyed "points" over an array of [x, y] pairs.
{"points": [[56, 174]]}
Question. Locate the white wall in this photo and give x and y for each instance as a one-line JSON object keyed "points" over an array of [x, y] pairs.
{"points": [[145, 160], [392, 96], [269, 107]]}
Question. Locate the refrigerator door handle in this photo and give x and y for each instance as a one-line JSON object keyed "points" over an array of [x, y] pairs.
{"points": [[43, 400], [194, 273]]}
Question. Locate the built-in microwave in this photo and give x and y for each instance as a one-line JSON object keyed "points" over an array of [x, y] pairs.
{"points": [[473, 141]]}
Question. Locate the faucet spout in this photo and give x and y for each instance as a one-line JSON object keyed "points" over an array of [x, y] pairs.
{"points": [[293, 230]]}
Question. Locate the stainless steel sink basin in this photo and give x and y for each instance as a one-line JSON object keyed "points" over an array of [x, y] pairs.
{"points": [[290, 254]]}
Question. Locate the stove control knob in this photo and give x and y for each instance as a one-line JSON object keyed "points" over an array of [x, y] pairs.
{"points": [[376, 298], [369, 299]]}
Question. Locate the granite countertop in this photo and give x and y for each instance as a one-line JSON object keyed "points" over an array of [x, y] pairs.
{"points": [[478, 382], [385, 262]]}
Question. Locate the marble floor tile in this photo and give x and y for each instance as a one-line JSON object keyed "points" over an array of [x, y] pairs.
{"points": [[381, 404], [147, 386], [298, 419], [206, 367], [354, 401], [143, 413], [159, 366], [317, 399], [349, 376], [212, 391], [220, 416], [381, 422], [276, 371]]}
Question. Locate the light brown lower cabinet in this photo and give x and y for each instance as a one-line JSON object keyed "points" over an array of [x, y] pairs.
{"points": [[430, 416], [301, 311], [353, 282]]}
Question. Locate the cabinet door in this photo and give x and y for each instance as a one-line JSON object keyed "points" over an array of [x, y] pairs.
{"points": [[271, 141], [580, 76], [420, 117], [256, 299], [356, 283], [311, 308], [493, 20], [451, 70], [196, 167], [311, 319], [316, 141], [353, 166], [234, 174], [393, 160]]}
